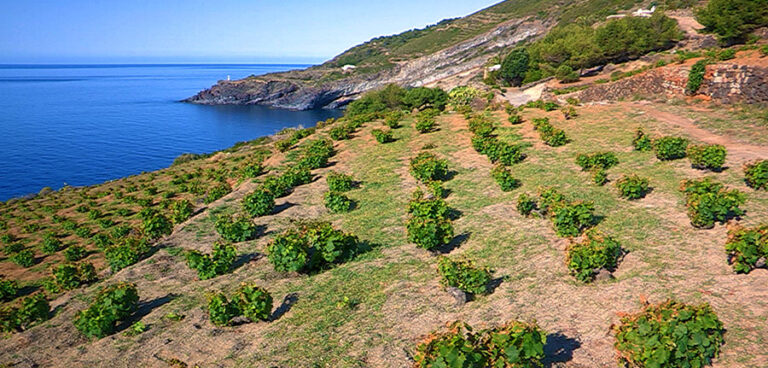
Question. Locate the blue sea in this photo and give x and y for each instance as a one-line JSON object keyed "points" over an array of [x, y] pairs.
{"points": [[86, 124]]}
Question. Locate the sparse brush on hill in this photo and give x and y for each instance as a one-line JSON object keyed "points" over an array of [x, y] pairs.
{"points": [[733, 20], [250, 300], [70, 276], [337, 202]]}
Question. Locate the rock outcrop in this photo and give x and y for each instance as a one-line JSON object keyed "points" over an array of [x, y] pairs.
{"points": [[306, 89]]}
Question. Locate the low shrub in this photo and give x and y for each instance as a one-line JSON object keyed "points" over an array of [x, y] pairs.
{"points": [[276, 185], [515, 119], [423, 207], [341, 132], [481, 126], [746, 247], [337, 202], [383, 136], [427, 167], [115, 303], [251, 171], [24, 258], [393, 119], [429, 233], [51, 244], [338, 182], [569, 218], [514, 344], [71, 276], [599, 176], [75, 253], [33, 310], [756, 174], [310, 247], [632, 187], [669, 334], [254, 302], [436, 189], [670, 148], [316, 154], [707, 157], [8, 289], [260, 202], [216, 192], [220, 310], [597, 251], [236, 229], [549, 134], [526, 205], [154, 225], [464, 275], [181, 211], [598, 160], [218, 263], [641, 142], [498, 151], [504, 178], [12, 248], [296, 175], [425, 124], [126, 252], [569, 112], [696, 76], [709, 202]]}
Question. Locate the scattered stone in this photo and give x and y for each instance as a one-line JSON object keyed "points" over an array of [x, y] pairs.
{"points": [[459, 295], [760, 263], [603, 275]]}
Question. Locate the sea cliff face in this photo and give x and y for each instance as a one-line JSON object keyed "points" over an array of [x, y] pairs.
{"points": [[306, 90]]}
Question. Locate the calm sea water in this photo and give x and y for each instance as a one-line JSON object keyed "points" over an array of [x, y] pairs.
{"points": [[86, 124]]}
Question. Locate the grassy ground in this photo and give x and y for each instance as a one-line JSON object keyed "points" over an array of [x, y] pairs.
{"points": [[371, 311]]}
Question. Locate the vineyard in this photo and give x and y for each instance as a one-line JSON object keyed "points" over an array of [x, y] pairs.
{"points": [[544, 235]]}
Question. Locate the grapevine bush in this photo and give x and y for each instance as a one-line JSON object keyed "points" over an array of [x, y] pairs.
{"points": [[669, 334], [337, 202], [642, 142], [316, 154], [498, 151], [260, 202], [670, 148], [383, 136], [75, 253], [526, 205], [514, 344], [756, 174], [236, 229], [464, 275], [216, 192], [597, 251], [154, 224], [115, 303], [33, 310], [341, 132], [310, 247], [427, 167], [632, 187], [71, 276], [8, 289], [504, 178], [425, 124], [707, 157], [24, 258], [746, 247], [570, 218], [429, 233], [216, 264], [552, 136], [126, 252], [709, 202], [338, 182], [181, 211], [598, 160], [250, 300]]}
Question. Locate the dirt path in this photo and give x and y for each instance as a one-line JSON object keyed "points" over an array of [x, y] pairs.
{"points": [[737, 152]]}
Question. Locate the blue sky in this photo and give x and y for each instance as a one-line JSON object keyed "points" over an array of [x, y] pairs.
{"points": [[91, 31]]}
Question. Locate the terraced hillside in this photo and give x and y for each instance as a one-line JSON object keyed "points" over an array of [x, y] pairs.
{"points": [[373, 309]]}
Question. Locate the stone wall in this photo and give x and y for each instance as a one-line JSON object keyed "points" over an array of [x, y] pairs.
{"points": [[725, 83]]}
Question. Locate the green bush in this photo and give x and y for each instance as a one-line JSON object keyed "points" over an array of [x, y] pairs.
{"points": [[115, 303], [709, 202], [550, 135], [341, 132], [13, 248], [669, 334], [514, 344], [296, 175], [756, 174], [632, 187], [598, 160], [154, 225], [423, 207], [236, 229], [382, 136], [597, 251], [260, 202], [526, 205], [310, 247], [75, 253], [569, 218], [569, 112], [338, 182], [498, 151], [425, 124], [515, 119], [71, 276], [515, 66], [599, 176], [481, 126], [426, 167], [33, 310], [337, 202], [251, 171], [747, 246], [422, 97], [462, 95], [316, 154], [126, 252], [216, 192], [670, 148], [392, 119], [51, 244], [254, 302], [504, 178], [24, 258], [181, 211], [696, 77], [641, 142], [464, 275], [436, 189], [566, 74], [218, 263], [8, 289], [429, 233], [733, 20], [707, 157], [220, 310]]}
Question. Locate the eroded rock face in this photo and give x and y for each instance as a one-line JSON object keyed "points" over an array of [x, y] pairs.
{"points": [[724, 83], [282, 90]]}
